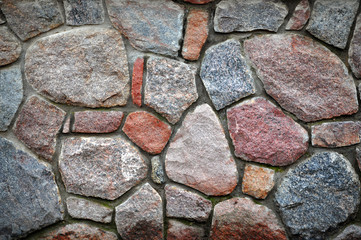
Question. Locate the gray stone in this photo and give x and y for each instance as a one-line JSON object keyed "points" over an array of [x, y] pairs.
{"points": [[84, 67], [179, 231], [300, 16], [358, 157], [331, 20], [318, 194], [249, 15], [226, 74], [170, 87], [83, 12], [354, 52], [100, 167], [11, 94], [10, 46], [352, 232], [29, 198], [157, 171], [2, 18], [154, 26]]}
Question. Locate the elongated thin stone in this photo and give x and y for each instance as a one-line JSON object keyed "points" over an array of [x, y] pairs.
{"points": [[354, 52], [10, 46], [300, 16]]}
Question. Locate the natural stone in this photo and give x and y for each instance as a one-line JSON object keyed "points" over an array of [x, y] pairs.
{"points": [[2, 18], [261, 132], [154, 26], [300, 16], [29, 198], [358, 157], [199, 155], [182, 203], [157, 171], [199, 1], [100, 167], [180, 231], [85, 209], [11, 94], [352, 232], [97, 121], [83, 67], [303, 76], [66, 126], [38, 125], [336, 134], [331, 21], [257, 181], [83, 12], [226, 74], [141, 216], [170, 87], [29, 18], [242, 219], [196, 34], [249, 15], [137, 81], [10, 46], [354, 51], [147, 131], [318, 194]]}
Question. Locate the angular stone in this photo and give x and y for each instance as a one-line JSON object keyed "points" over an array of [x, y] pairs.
{"points": [[226, 74], [66, 126], [11, 94], [83, 12], [97, 121], [10, 46], [318, 194], [100, 167], [331, 21], [29, 18], [358, 157], [157, 171], [199, 155], [352, 232], [336, 134], [38, 125], [154, 26], [85, 209], [137, 81], [303, 76], [141, 216], [29, 198], [170, 87], [180, 231], [354, 52], [196, 33], [182, 203], [257, 181], [199, 1], [242, 219], [262, 133], [300, 16], [249, 15], [82, 67]]}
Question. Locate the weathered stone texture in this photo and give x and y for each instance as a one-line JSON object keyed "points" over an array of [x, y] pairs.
{"points": [[352, 232], [10, 46], [300, 16], [157, 171], [66, 126], [2, 18], [137, 81], [180, 231], [97, 121], [199, 1], [83, 12], [257, 181], [358, 157], [354, 51], [84, 67], [304, 77]]}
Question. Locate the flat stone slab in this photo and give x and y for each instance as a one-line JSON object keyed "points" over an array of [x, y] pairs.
{"points": [[352, 232], [29, 196], [10, 46], [97, 121], [354, 51], [303, 76], [300, 16], [137, 81], [82, 67], [177, 231], [257, 181], [83, 12], [318, 194]]}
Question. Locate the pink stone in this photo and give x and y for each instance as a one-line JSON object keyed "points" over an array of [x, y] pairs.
{"points": [[180, 231], [137, 81], [300, 16], [257, 181], [97, 121]]}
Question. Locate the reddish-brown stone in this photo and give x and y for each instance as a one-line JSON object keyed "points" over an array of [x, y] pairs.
{"points": [[300, 16], [147, 131], [180, 231], [97, 121], [196, 34], [199, 1], [257, 181], [137, 81]]}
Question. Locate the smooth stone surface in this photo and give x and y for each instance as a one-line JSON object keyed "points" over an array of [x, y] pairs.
{"points": [[100, 167], [154, 26], [10, 46], [300, 16], [170, 87], [318, 194], [137, 81], [85, 66], [29, 198], [83, 12], [157, 170], [352, 232], [354, 51], [257, 181], [199, 155], [180, 231], [97, 121], [226, 74], [303, 76]]}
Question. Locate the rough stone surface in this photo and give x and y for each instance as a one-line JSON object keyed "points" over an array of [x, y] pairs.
{"points": [[11, 94], [300, 16], [318, 194], [154, 26], [2, 18], [358, 157], [37, 126], [304, 77], [157, 171], [196, 33], [97, 121], [257, 181], [249, 15], [170, 87], [141, 216], [331, 20], [261, 132], [242, 219], [199, 1], [83, 12], [352, 232], [29, 198], [83, 67], [85, 209], [226, 74], [10, 46], [199, 155], [66, 126], [137, 81], [180, 231], [29, 18], [354, 51], [100, 167], [336, 134], [147, 131], [182, 203]]}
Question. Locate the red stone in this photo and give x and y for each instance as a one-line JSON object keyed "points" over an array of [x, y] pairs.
{"points": [[137, 81], [180, 231], [97, 121], [199, 1], [300, 16]]}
